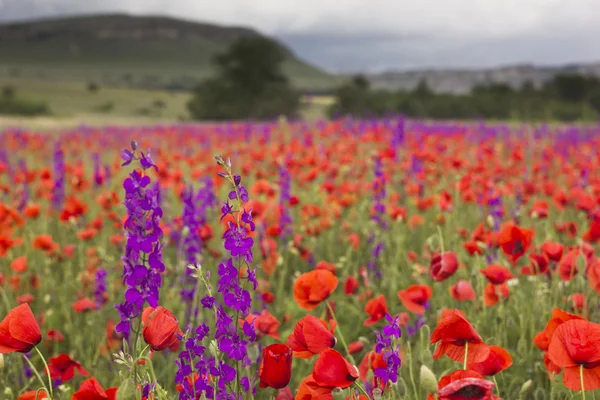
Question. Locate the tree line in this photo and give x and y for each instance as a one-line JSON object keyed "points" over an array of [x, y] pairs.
{"points": [[250, 84]]}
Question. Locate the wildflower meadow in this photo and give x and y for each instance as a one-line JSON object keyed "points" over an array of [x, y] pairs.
{"points": [[348, 259]]}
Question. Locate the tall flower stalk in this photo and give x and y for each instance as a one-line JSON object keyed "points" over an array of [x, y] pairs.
{"points": [[377, 216], [58, 191], [285, 194], [219, 373], [142, 262]]}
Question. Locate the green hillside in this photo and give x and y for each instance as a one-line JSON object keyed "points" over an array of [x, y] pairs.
{"points": [[125, 51]]}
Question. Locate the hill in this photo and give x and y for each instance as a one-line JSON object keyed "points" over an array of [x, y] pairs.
{"points": [[462, 81], [123, 50]]}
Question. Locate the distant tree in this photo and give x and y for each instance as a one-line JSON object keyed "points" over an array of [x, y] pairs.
{"points": [[249, 83], [422, 89], [8, 93], [570, 87], [352, 98], [92, 87]]}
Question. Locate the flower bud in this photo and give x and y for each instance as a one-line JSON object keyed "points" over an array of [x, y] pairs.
{"points": [[1, 361], [526, 386], [377, 394], [338, 394], [426, 357], [8, 393], [400, 388], [428, 380]]}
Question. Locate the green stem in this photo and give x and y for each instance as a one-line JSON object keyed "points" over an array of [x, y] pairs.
{"points": [[351, 359], [36, 373], [134, 351], [441, 239], [497, 388], [581, 379], [362, 390], [47, 371], [466, 353]]}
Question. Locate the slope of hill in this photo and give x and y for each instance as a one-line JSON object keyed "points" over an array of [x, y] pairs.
{"points": [[462, 81], [122, 50]]}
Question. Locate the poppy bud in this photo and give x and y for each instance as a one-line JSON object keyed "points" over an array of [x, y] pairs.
{"points": [[276, 366], [338, 394], [428, 380], [400, 388], [525, 387], [19, 331], [160, 328]]}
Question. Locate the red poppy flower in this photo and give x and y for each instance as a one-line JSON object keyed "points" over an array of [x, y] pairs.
{"points": [[285, 394], [553, 250], [45, 243], [92, 390], [54, 335], [492, 293], [415, 297], [326, 266], [34, 395], [309, 389], [455, 333], [462, 291], [567, 267], [577, 301], [276, 366], [356, 347], [443, 266], [498, 360], [311, 336], [26, 298], [84, 305], [370, 362], [377, 309], [160, 328], [464, 385], [332, 370], [514, 240], [539, 209], [63, 367], [19, 331], [265, 323], [496, 274], [559, 317], [311, 288], [574, 347], [19, 264], [351, 285], [472, 247]]}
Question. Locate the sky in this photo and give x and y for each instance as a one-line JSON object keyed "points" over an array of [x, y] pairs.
{"points": [[379, 35]]}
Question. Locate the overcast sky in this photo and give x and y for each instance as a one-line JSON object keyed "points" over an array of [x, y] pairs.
{"points": [[374, 35]]}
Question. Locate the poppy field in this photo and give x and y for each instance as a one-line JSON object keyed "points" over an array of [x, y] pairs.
{"points": [[351, 259]]}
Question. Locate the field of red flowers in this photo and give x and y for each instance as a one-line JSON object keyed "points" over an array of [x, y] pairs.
{"points": [[336, 260]]}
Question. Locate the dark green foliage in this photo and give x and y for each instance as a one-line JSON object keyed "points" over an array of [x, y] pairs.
{"points": [[23, 108], [249, 84], [11, 105], [92, 87], [564, 98]]}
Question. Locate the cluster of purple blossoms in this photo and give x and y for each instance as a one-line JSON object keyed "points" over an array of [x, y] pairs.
{"points": [[195, 208], [378, 217], [100, 290], [202, 376], [496, 212], [142, 262], [58, 191], [285, 194], [98, 178], [25, 189], [389, 351], [398, 136]]}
